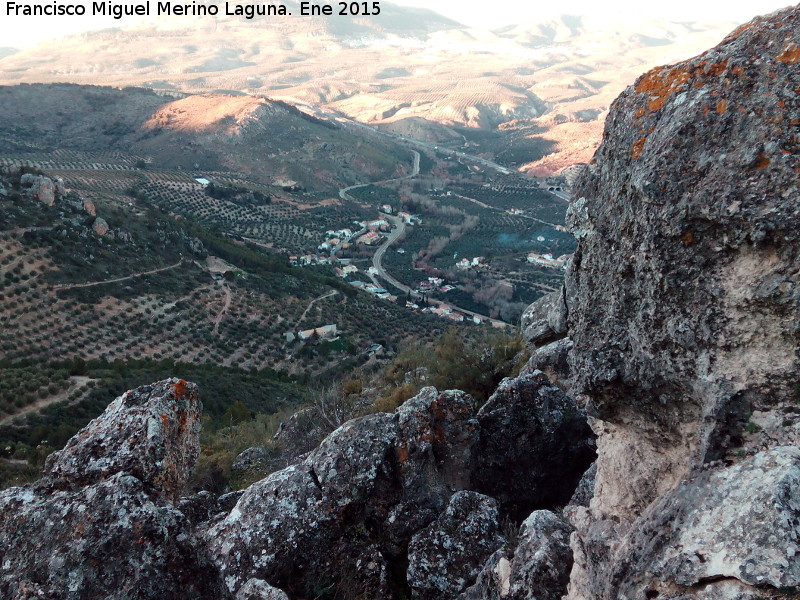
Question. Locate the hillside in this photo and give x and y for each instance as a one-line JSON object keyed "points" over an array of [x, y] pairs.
{"points": [[647, 448], [534, 95], [269, 142]]}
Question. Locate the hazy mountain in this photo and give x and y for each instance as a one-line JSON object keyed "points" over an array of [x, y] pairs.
{"points": [[410, 70]]}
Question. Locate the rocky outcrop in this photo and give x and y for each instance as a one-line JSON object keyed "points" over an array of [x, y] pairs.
{"points": [[151, 432], [684, 312], [535, 434], [387, 490], [535, 567], [42, 188], [100, 523], [100, 226], [545, 320], [256, 589], [446, 556]]}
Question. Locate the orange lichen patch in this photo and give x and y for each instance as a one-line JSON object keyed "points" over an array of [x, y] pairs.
{"points": [[164, 420], [638, 145], [722, 106], [739, 31], [781, 103], [640, 113], [790, 55], [688, 238], [402, 454], [763, 162], [738, 70], [181, 389], [717, 68], [660, 84]]}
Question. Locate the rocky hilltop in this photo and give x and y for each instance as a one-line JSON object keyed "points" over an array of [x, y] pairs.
{"points": [[675, 338]]}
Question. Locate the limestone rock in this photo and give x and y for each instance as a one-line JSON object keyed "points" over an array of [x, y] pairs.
{"points": [[100, 226], [111, 539], [89, 208], [684, 313], [151, 432], [537, 568], [542, 559], [300, 517], [553, 361], [438, 433], [545, 320], [39, 188], [447, 556], [741, 523], [100, 523], [255, 458], [494, 580], [536, 436], [585, 490], [257, 589]]}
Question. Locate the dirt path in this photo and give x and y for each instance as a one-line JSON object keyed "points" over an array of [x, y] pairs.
{"points": [[69, 286], [78, 382], [225, 307], [310, 304]]}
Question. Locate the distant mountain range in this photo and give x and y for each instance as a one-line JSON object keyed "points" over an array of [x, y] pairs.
{"points": [[532, 95]]}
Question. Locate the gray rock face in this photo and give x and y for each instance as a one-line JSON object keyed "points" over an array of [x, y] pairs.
{"points": [[545, 320], [100, 523], [438, 433], [348, 512], [543, 558], [742, 523], [151, 432], [256, 589], [446, 556], [553, 361], [684, 313], [535, 435], [40, 188], [100, 226], [536, 569]]}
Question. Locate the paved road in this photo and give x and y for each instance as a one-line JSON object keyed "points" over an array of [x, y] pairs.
{"points": [[377, 258], [343, 193]]}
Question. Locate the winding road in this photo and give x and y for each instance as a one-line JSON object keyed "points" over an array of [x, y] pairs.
{"points": [[399, 229]]}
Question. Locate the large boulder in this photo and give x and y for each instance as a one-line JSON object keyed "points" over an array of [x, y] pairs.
{"points": [[40, 188], [100, 523], [534, 445], [684, 313], [151, 432], [446, 557], [312, 516], [545, 320], [438, 434]]}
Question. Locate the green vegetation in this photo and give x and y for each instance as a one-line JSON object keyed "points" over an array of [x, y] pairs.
{"points": [[475, 363]]}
